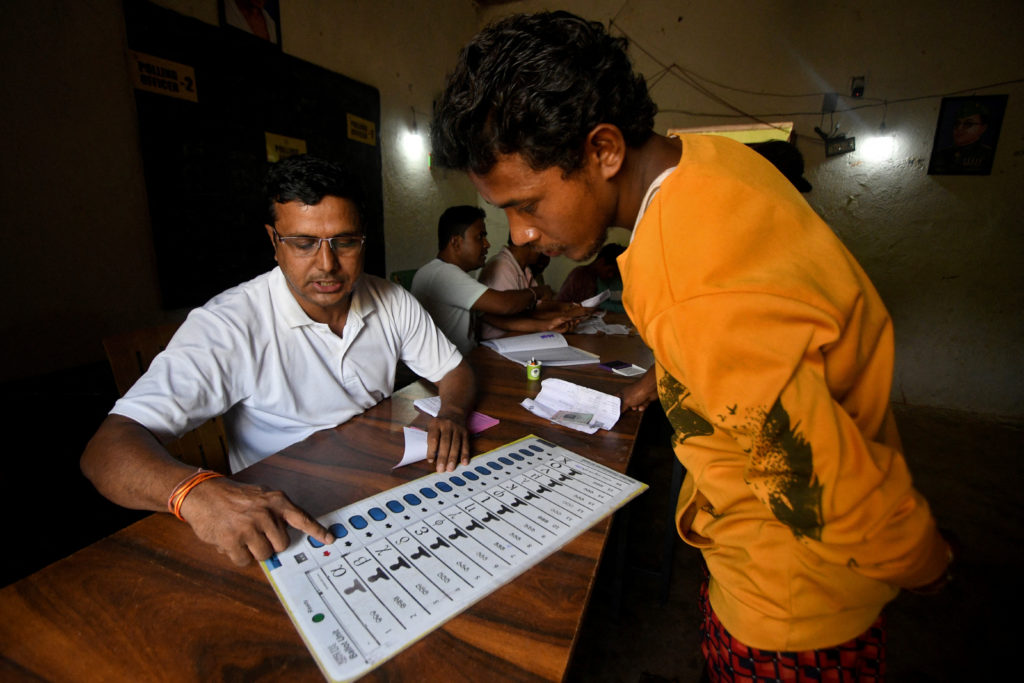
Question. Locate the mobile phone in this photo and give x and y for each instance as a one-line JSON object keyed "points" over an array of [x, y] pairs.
{"points": [[614, 365]]}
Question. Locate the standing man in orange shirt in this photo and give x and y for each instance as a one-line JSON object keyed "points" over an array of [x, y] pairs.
{"points": [[774, 353]]}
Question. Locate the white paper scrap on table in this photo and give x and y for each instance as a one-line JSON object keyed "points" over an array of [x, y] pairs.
{"points": [[475, 423], [415, 447], [630, 371], [596, 300], [558, 395], [596, 325], [430, 405]]}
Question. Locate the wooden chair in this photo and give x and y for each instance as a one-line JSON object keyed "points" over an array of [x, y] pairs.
{"points": [[404, 277], [130, 354]]}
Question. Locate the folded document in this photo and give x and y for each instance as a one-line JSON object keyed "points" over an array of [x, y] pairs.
{"points": [[573, 406]]}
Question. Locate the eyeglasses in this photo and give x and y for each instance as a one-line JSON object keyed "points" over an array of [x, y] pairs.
{"points": [[309, 246]]}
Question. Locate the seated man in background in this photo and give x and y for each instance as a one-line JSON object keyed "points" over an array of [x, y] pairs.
{"points": [[510, 268], [301, 348], [597, 276], [451, 295]]}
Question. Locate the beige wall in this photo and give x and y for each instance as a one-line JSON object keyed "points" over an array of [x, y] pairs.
{"points": [[946, 252]]}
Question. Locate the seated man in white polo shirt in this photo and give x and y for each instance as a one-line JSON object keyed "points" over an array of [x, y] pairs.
{"points": [[451, 295], [304, 347]]}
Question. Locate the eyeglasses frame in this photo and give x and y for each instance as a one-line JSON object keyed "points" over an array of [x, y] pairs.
{"points": [[337, 251]]}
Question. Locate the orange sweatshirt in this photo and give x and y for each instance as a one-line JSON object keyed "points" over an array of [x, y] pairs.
{"points": [[774, 364]]}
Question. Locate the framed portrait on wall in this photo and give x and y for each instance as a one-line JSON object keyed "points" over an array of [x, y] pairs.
{"points": [[260, 18], [966, 135]]}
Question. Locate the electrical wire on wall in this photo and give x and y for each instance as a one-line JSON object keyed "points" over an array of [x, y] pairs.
{"points": [[700, 84]]}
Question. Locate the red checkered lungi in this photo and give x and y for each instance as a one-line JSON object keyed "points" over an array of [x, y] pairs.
{"points": [[860, 660]]}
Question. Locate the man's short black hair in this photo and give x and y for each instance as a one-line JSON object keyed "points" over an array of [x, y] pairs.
{"points": [[536, 85], [454, 222], [308, 179]]}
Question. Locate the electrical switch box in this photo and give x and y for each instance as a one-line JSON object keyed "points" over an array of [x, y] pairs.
{"points": [[836, 146], [857, 86]]}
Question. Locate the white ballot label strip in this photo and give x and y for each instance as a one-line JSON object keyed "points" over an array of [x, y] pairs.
{"points": [[410, 558]]}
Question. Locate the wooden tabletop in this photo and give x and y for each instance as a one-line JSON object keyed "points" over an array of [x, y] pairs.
{"points": [[152, 602]]}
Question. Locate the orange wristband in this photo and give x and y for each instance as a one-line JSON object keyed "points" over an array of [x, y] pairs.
{"points": [[184, 487]]}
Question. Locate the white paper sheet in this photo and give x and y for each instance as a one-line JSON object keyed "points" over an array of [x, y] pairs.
{"points": [[550, 348], [558, 395], [596, 300], [599, 326], [475, 423], [415, 447]]}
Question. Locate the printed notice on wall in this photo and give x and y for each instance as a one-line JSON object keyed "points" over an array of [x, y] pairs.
{"points": [[361, 130], [282, 146], [162, 76]]}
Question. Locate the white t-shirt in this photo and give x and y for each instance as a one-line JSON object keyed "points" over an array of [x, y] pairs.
{"points": [[448, 293], [254, 356]]}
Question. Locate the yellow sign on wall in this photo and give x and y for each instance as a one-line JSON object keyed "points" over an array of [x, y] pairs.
{"points": [[361, 130], [162, 76], [280, 147], [747, 133]]}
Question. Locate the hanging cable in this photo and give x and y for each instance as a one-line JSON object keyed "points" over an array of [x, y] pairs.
{"points": [[692, 79]]}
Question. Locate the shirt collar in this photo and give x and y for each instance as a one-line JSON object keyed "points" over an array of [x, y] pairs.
{"points": [[649, 197], [292, 314]]}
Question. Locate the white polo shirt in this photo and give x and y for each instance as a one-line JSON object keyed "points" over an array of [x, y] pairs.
{"points": [[253, 355], [448, 293]]}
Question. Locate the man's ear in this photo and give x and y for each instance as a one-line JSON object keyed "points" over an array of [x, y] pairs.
{"points": [[606, 146], [270, 234]]}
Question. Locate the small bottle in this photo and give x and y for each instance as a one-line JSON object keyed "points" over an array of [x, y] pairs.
{"points": [[533, 369]]}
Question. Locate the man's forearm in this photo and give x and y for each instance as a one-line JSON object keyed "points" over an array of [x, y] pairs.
{"points": [[516, 323], [128, 465], [457, 391], [508, 302]]}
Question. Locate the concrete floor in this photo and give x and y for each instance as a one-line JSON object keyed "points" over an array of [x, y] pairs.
{"points": [[970, 470]]}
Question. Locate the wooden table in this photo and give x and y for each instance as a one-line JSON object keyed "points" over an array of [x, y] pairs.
{"points": [[153, 603]]}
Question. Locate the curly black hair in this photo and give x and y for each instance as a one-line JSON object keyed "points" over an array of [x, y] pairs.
{"points": [[308, 179], [536, 85]]}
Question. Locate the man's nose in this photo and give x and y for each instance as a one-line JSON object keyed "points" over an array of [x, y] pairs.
{"points": [[326, 258], [521, 233]]}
